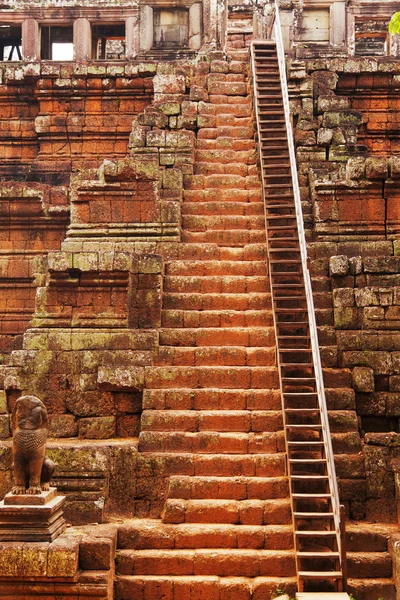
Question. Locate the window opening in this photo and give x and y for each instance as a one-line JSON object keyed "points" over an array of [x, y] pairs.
{"points": [[108, 42], [10, 42], [171, 28], [57, 42]]}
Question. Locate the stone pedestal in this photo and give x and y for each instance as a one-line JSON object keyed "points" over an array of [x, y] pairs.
{"points": [[36, 518]]}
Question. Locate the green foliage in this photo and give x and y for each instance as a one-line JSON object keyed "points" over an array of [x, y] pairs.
{"points": [[394, 25]]}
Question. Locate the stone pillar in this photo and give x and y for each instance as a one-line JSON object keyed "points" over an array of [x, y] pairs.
{"points": [[146, 27], [351, 41], [287, 30], [210, 22], [338, 24], [82, 40], [195, 25], [132, 37], [30, 40]]}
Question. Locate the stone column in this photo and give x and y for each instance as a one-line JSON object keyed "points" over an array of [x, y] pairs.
{"points": [[338, 24], [210, 22], [82, 40], [195, 26], [30, 40], [132, 36], [146, 27], [287, 30]]}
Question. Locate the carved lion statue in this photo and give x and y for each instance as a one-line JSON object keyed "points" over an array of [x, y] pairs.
{"points": [[32, 469]]}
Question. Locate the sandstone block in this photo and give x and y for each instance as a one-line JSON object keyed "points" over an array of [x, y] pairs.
{"points": [[5, 431], [169, 84], [3, 402], [394, 383], [132, 378], [99, 428], [379, 361], [62, 426], [343, 297], [346, 318], [355, 168], [371, 404], [11, 559], [338, 265], [324, 136], [394, 167], [366, 297], [35, 559], [363, 379], [376, 168], [332, 103], [355, 265], [96, 553], [63, 557]]}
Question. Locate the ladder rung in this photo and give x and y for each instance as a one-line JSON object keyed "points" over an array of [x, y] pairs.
{"points": [[302, 426], [301, 410], [315, 515], [307, 460], [328, 554], [320, 574], [297, 496], [309, 476], [307, 533]]}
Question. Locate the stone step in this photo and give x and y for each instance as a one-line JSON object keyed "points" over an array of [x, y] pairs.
{"points": [[373, 536], [211, 399], [225, 237], [237, 132], [273, 511], [210, 319], [156, 587], [211, 356], [206, 252], [244, 108], [211, 268], [218, 336], [238, 54], [213, 168], [232, 208], [206, 465], [204, 561], [217, 301], [272, 486], [216, 377], [216, 143], [146, 534], [212, 420], [226, 155], [210, 442], [372, 589], [362, 565], [223, 222], [198, 196], [216, 284]]}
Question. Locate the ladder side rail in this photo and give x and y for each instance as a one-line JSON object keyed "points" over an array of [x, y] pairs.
{"points": [[307, 281]]}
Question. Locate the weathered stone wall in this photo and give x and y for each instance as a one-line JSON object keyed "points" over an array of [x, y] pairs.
{"points": [[346, 127], [79, 563], [97, 305]]}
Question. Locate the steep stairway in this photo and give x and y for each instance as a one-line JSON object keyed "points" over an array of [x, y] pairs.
{"points": [[320, 562], [213, 401], [232, 524]]}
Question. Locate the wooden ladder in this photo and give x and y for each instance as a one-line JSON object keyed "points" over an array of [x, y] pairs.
{"points": [[316, 527]]}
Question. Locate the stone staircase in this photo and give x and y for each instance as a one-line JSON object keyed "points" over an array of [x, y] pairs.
{"points": [[211, 408], [213, 398]]}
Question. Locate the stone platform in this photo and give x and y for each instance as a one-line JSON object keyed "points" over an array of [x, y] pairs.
{"points": [[32, 518]]}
